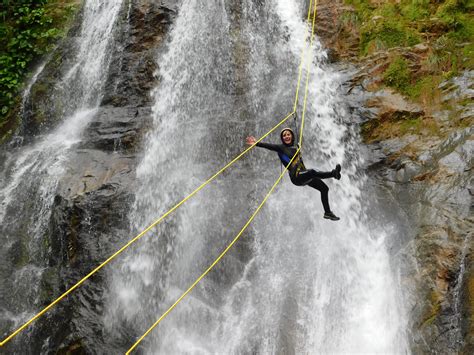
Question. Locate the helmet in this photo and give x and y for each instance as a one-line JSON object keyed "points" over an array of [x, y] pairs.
{"points": [[292, 134]]}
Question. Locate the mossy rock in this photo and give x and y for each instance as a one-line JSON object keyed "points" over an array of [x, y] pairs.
{"points": [[468, 304], [435, 308], [49, 285]]}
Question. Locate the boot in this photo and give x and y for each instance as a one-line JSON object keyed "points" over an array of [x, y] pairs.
{"points": [[337, 172], [331, 216]]}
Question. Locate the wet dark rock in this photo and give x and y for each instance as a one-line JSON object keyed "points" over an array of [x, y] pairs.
{"points": [[116, 129], [132, 71], [88, 223], [89, 220]]}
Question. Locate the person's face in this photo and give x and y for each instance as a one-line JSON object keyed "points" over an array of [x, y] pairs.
{"points": [[287, 137]]}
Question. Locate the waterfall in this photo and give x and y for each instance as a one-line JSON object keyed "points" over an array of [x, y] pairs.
{"points": [[295, 282], [30, 175]]}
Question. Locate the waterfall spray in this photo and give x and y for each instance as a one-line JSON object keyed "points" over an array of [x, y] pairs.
{"points": [[31, 175], [301, 283]]}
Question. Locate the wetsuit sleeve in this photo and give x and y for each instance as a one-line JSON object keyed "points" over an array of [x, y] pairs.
{"points": [[274, 147]]}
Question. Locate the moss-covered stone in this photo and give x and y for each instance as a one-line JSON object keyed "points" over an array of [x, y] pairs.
{"points": [[468, 303], [434, 309], [397, 75], [447, 28]]}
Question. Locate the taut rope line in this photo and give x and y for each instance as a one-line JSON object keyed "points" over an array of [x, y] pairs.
{"points": [[237, 237], [175, 207]]}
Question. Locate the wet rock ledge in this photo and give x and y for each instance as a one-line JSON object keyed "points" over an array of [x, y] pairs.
{"points": [[420, 157], [89, 221]]}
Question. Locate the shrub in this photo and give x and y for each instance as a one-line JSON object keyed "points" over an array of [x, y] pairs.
{"points": [[27, 31]]}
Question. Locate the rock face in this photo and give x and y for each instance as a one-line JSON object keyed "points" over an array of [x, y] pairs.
{"points": [[421, 157], [429, 176], [438, 204], [134, 64], [334, 29], [89, 221]]}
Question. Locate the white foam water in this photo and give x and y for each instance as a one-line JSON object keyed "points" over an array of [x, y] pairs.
{"points": [[296, 283], [31, 174]]}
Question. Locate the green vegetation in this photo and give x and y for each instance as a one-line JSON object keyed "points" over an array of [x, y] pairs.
{"points": [[446, 29], [397, 74], [425, 90], [420, 88], [28, 30], [433, 313], [408, 22], [397, 126]]}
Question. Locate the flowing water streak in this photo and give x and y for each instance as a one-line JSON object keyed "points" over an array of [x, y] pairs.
{"points": [[32, 174], [457, 339], [324, 287], [27, 91], [340, 294], [194, 97], [303, 283]]}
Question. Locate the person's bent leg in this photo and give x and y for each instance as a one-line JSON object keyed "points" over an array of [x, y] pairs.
{"points": [[324, 174], [319, 185], [335, 173], [307, 175]]}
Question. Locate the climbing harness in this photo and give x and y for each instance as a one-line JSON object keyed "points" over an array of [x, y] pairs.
{"points": [[200, 187]]}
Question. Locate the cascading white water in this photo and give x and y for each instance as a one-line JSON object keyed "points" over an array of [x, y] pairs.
{"points": [[194, 73], [31, 174], [332, 283], [296, 282]]}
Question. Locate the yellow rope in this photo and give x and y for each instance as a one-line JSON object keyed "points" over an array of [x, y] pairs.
{"points": [[25, 325], [251, 217], [215, 261], [80, 282], [300, 69], [300, 142]]}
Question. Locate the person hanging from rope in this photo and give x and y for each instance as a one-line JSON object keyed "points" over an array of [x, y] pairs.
{"points": [[299, 175]]}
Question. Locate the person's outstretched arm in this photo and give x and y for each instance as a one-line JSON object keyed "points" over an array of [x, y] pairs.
{"points": [[275, 147]]}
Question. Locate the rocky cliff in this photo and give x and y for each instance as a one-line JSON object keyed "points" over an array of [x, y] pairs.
{"points": [[90, 206], [420, 155]]}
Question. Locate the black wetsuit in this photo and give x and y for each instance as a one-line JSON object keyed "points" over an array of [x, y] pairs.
{"points": [[299, 175]]}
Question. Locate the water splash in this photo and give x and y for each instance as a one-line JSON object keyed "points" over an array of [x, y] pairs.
{"points": [[302, 283], [31, 174]]}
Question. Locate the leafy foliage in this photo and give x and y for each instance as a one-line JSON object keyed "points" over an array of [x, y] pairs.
{"points": [[28, 29]]}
